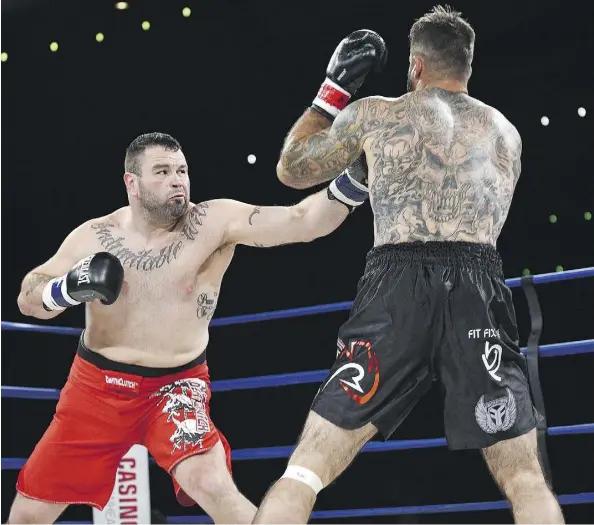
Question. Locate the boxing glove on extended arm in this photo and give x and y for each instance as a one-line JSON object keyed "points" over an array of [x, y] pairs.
{"points": [[350, 186], [354, 57], [99, 276]]}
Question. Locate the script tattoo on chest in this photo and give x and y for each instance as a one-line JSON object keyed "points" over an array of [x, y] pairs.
{"points": [[146, 260], [206, 305], [151, 259]]}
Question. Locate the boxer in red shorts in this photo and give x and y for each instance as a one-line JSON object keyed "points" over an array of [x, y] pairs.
{"points": [[150, 275]]}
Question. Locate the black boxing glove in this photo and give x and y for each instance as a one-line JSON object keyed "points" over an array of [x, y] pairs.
{"points": [[354, 57], [99, 276], [350, 187]]}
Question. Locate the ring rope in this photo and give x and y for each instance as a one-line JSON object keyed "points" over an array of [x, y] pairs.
{"points": [[295, 378], [247, 454], [514, 282], [565, 499]]}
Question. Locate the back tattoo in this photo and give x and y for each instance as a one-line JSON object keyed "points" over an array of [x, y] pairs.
{"points": [[445, 167]]}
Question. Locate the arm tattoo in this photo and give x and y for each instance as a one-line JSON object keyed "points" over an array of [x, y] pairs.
{"points": [[35, 281], [255, 212], [319, 157], [443, 167], [259, 245]]}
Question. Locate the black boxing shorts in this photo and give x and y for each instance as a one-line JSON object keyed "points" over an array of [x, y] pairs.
{"points": [[426, 312]]}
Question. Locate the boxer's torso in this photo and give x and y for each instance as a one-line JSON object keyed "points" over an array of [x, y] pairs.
{"points": [[170, 290], [442, 167]]}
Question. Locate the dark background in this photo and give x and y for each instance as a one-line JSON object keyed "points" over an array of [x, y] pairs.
{"points": [[230, 81]]}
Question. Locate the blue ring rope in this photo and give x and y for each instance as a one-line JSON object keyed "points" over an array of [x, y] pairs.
{"points": [[248, 454], [295, 378], [565, 499], [514, 282]]}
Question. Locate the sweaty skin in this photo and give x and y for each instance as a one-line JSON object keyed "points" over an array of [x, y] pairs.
{"points": [[442, 165]]}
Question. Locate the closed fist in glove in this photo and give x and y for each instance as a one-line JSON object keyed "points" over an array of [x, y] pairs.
{"points": [[356, 55]]}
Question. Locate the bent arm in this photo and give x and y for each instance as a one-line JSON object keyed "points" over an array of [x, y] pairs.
{"points": [[316, 151], [70, 252], [264, 226]]}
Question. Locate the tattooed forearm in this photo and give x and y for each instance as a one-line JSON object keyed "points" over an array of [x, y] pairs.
{"points": [[314, 153], [30, 300], [309, 123], [35, 282]]}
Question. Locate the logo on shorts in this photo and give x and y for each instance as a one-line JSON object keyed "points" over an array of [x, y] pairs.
{"points": [[496, 415], [185, 399], [493, 365], [120, 381], [352, 386]]}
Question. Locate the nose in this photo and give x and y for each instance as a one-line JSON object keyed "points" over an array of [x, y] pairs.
{"points": [[177, 181]]}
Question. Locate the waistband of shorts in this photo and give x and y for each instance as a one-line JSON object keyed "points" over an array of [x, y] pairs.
{"points": [[451, 253], [104, 363]]}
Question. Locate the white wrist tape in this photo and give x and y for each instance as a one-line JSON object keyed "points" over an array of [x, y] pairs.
{"points": [[55, 296], [305, 476], [332, 98]]}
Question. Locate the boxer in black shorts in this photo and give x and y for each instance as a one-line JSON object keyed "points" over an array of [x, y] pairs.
{"points": [[425, 312], [432, 304]]}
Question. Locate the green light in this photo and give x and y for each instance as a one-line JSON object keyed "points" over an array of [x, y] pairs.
{"points": [[186, 11], [552, 219], [588, 216], [54, 47], [4, 57], [99, 37], [525, 272], [146, 25], [559, 268]]}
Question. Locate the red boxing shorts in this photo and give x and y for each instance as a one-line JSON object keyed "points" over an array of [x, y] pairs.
{"points": [[105, 408]]}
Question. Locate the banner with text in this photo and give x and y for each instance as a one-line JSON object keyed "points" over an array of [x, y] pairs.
{"points": [[130, 501]]}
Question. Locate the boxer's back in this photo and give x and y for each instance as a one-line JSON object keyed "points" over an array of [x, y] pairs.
{"points": [[443, 167], [169, 295]]}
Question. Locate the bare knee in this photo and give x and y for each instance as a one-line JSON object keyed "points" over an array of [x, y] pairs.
{"points": [[205, 478], [213, 486], [515, 466], [524, 482]]}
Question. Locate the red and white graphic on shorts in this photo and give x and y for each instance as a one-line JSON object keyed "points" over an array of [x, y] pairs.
{"points": [[353, 384], [184, 402]]}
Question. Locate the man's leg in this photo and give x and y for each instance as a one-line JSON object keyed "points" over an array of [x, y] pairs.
{"points": [[76, 459], [27, 510], [488, 404], [324, 450], [515, 467], [207, 480]]}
